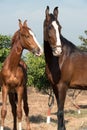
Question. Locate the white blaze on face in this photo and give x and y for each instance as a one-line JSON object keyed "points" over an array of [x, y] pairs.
{"points": [[58, 49], [57, 33], [35, 39]]}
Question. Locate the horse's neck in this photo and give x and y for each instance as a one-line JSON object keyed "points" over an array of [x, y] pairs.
{"points": [[47, 51], [48, 54], [13, 58]]}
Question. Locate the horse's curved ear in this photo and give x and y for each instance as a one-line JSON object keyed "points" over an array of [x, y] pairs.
{"points": [[47, 13], [55, 12], [25, 23], [20, 23]]}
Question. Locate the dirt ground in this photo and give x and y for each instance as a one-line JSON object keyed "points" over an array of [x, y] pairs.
{"points": [[38, 104]]}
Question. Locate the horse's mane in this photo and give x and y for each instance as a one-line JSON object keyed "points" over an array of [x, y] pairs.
{"points": [[72, 47], [67, 42]]}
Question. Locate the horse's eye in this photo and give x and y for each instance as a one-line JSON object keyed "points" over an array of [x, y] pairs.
{"points": [[50, 27]]}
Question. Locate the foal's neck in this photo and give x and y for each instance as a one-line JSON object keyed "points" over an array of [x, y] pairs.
{"points": [[13, 59]]}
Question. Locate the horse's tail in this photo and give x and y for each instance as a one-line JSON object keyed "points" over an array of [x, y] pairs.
{"points": [[13, 99]]}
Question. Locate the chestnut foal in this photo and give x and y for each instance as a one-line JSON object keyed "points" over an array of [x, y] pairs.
{"points": [[13, 73]]}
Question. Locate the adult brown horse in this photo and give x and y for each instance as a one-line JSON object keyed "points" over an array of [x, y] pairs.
{"points": [[66, 65], [13, 73]]}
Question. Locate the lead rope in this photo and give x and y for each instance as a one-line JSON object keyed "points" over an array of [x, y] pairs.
{"points": [[50, 105]]}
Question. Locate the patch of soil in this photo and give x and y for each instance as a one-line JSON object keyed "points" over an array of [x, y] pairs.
{"points": [[38, 108]]}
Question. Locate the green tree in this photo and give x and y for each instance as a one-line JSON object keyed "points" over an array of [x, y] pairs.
{"points": [[36, 71], [84, 41], [5, 42]]}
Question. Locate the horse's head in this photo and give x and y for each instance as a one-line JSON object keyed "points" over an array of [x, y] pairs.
{"points": [[52, 30], [27, 39]]}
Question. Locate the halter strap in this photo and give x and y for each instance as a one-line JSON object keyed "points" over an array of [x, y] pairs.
{"points": [[53, 48]]}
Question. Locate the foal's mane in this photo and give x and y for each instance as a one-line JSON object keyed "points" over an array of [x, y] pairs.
{"points": [[15, 38]]}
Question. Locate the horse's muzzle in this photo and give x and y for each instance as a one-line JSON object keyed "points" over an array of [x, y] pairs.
{"points": [[57, 50]]}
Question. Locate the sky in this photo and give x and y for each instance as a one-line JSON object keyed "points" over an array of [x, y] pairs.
{"points": [[72, 17]]}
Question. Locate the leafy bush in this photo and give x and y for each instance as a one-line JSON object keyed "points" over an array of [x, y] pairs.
{"points": [[36, 71], [5, 42]]}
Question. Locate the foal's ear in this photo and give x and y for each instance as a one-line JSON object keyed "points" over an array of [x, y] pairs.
{"points": [[55, 12], [47, 13], [20, 23], [25, 23]]}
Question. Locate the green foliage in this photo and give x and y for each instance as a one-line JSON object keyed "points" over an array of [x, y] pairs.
{"points": [[84, 42], [36, 71], [5, 42]]}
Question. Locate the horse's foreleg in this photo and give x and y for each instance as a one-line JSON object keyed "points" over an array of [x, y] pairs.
{"points": [[62, 89], [19, 105], [12, 100], [4, 105], [26, 108]]}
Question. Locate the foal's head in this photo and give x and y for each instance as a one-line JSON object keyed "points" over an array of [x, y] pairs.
{"points": [[27, 39], [52, 30]]}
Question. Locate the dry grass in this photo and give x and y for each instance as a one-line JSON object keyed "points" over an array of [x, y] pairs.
{"points": [[38, 104]]}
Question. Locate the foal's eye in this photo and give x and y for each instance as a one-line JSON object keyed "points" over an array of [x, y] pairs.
{"points": [[49, 34], [27, 36]]}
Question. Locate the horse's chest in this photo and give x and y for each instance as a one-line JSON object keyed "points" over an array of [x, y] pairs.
{"points": [[12, 79], [52, 74]]}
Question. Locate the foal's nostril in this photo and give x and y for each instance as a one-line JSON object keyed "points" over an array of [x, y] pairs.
{"points": [[39, 52]]}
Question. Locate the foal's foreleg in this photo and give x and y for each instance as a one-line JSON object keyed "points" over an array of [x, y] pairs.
{"points": [[4, 106]]}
